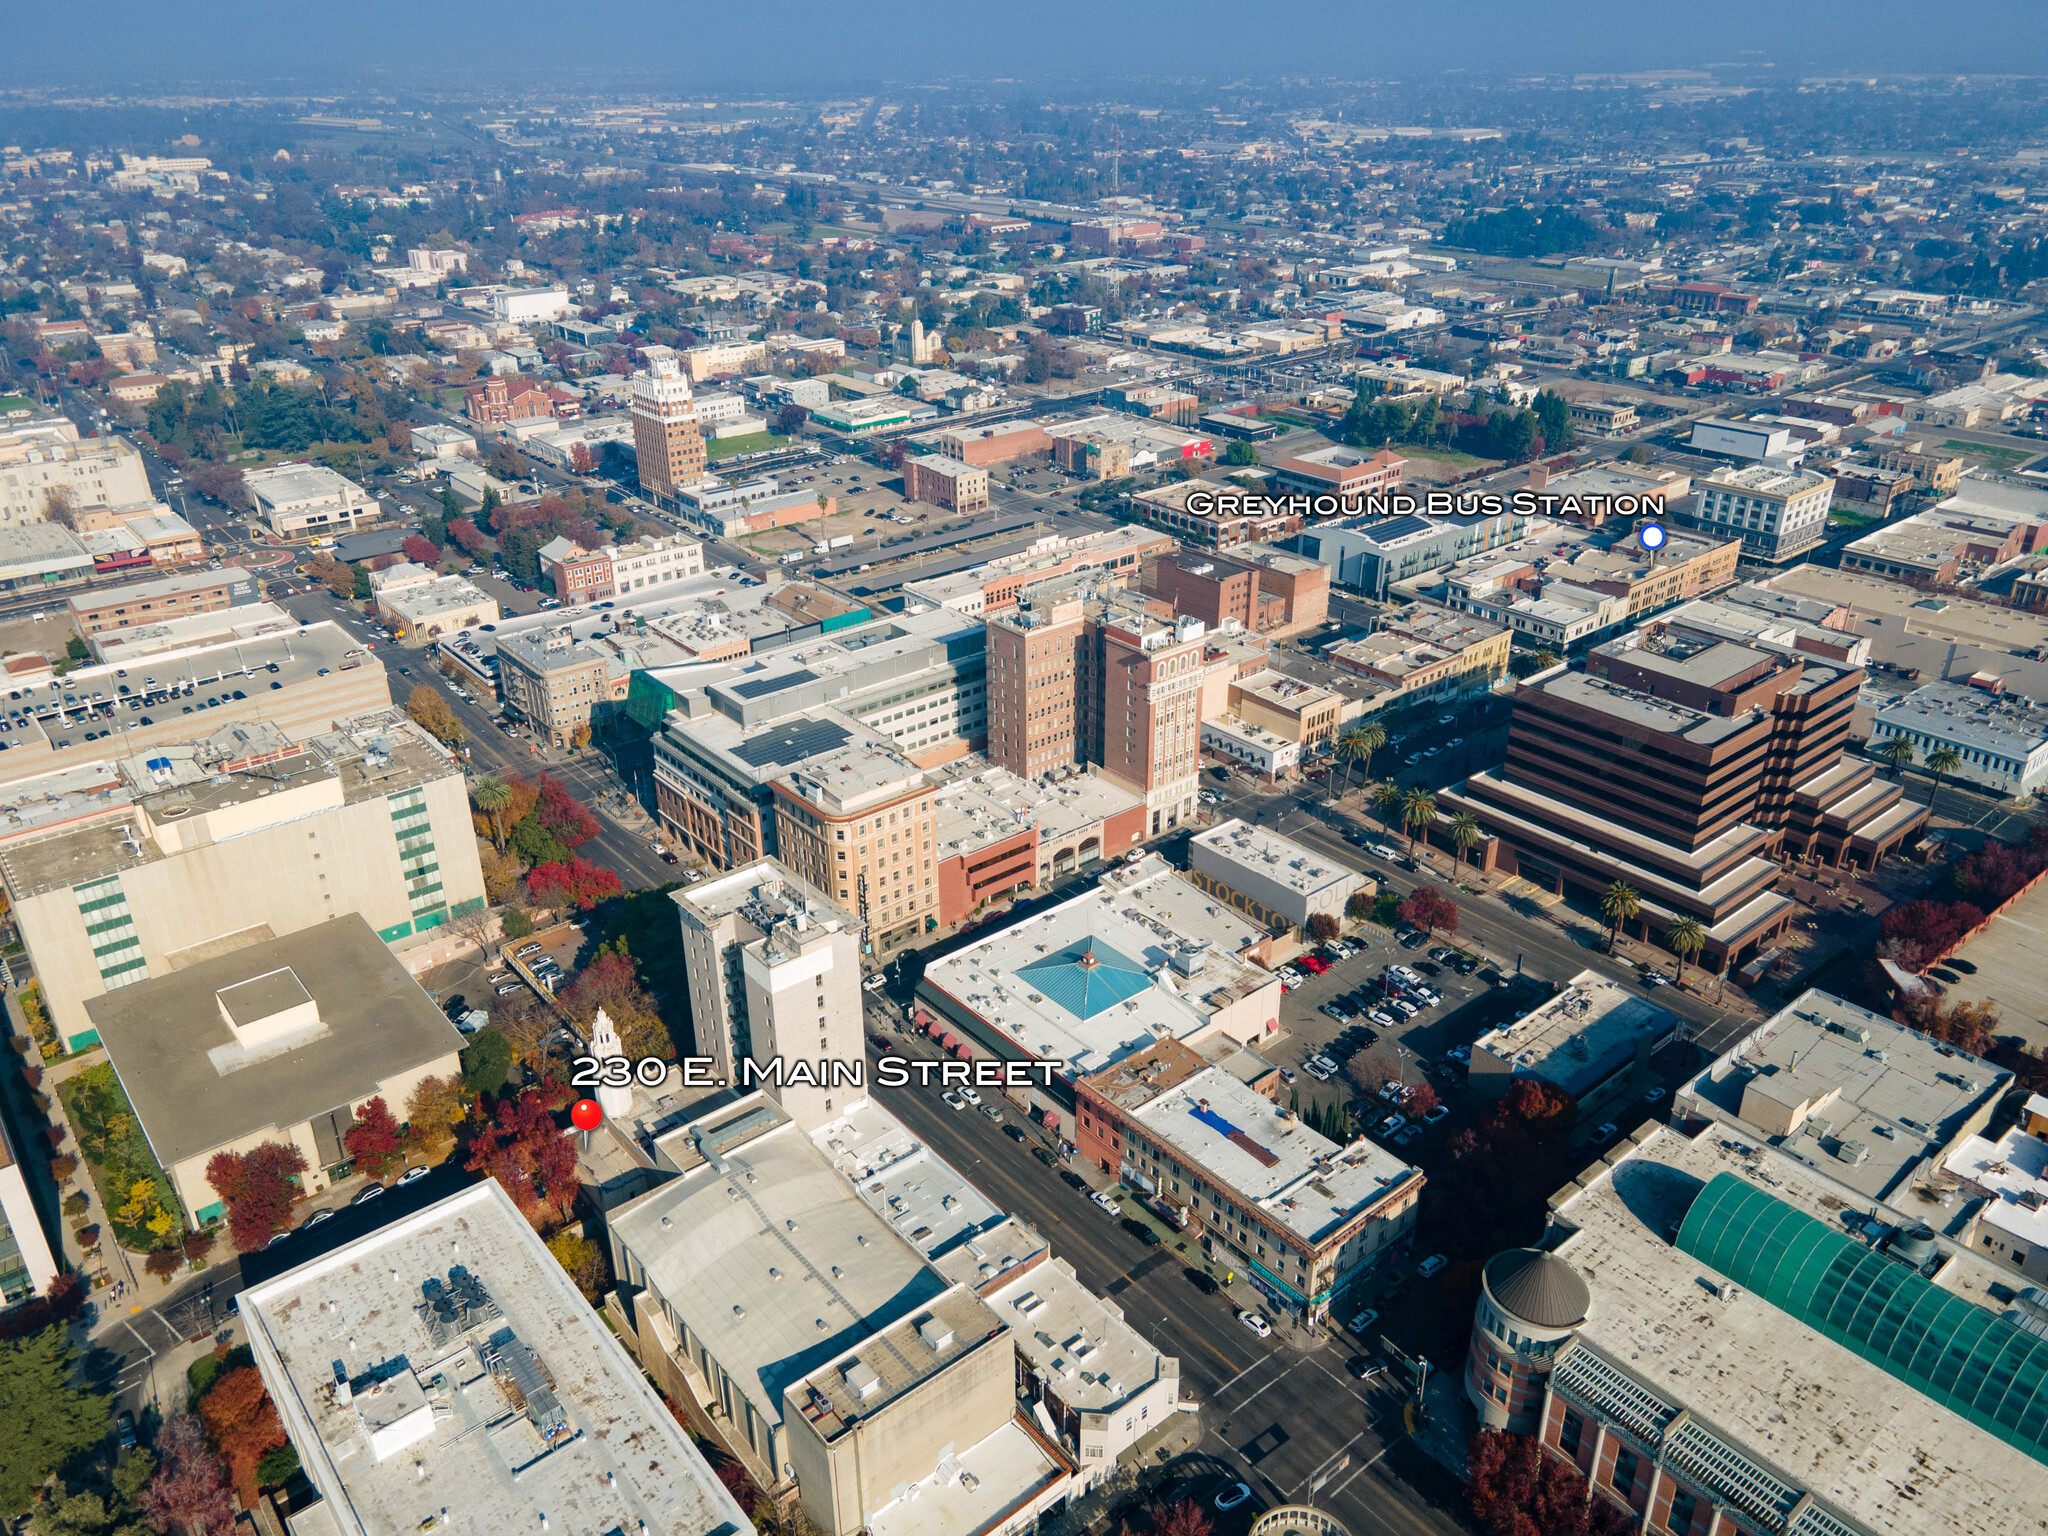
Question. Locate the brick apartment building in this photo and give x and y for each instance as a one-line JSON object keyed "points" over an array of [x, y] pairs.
{"points": [[947, 483], [507, 397], [1266, 591], [1005, 442]]}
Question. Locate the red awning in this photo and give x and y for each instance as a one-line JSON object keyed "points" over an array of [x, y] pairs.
{"points": [[961, 1049], [1051, 1121], [920, 1018], [950, 1042]]}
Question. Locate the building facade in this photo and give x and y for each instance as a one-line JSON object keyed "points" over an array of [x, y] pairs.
{"points": [[667, 441]]}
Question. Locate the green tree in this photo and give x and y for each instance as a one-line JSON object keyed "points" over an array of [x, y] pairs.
{"points": [[491, 795], [1685, 938], [1357, 745], [1554, 421], [1418, 810], [487, 1062], [1387, 800], [1240, 453], [1619, 904], [1464, 830], [1897, 751], [48, 1420], [1941, 762]]}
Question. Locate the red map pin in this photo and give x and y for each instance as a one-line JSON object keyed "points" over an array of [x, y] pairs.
{"points": [[587, 1115]]}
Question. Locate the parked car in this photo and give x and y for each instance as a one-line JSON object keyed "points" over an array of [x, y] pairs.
{"points": [[1363, 1321], [1236, 1493], [367, 1193], [971, 1097], [1432, 1265], [411, 1174], [1436, 1115], [1045, 1157], [1104, 1202], [953, 1100], [124, 1428]]}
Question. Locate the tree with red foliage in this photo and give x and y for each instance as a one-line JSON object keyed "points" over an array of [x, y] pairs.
{"points": [[422, 551], [612, 982], [1420, 1101], [577, 883], [467, 536], [562, 816], [373, 1140], [243, 1423], [59, 1304], [257, 1186], [525, 1151], [1429, 909], [1185, 1518], [1515, 1489], [1915, 935], [189, 1493]]}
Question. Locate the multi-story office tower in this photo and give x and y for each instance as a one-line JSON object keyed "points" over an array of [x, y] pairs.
{"points": [[859, 825], [774, 975], [666, 436], [1683, 763], [1080, 676]]}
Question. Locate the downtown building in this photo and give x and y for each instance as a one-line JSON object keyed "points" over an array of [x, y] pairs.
{"points": [[667, 440], [1687, 764], [1726, 1339], [1079, 676]]}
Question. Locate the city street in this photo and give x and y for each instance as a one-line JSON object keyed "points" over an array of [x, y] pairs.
{"points": [[1281, 1411]]}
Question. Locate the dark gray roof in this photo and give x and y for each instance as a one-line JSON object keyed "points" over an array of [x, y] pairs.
{"points": [[1539, 1288], [164, 1037]]}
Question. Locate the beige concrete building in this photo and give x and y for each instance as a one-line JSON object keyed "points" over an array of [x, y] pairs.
{"points": [[774, 974], [303, 501], [859, 825], [666, 437], [45, 454], [131, 867], [554, 680], [280, 1039]]}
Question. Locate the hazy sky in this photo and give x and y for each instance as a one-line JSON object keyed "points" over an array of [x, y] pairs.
{"points": [[813, 45]]}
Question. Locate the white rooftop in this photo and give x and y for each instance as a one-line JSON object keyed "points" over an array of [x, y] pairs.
{"points": [[1071, 1335], [1581, 1036], [1274, 858], [1092, 980], [519, 1410]]}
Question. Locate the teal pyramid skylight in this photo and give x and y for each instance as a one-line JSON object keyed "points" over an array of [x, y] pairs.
{"points": [[1087, 977]]}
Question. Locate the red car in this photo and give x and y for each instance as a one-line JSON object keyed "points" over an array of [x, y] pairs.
{"points": [[1312, 965]]}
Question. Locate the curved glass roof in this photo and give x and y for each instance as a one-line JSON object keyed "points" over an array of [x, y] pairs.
{"points": [[1087, 977], [1961, 1355]]}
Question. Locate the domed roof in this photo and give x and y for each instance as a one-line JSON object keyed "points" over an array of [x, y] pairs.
{"points": [[1537, 1287]]}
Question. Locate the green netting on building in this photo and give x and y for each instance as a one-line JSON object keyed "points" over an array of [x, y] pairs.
{"points": [[1961, 1355]]}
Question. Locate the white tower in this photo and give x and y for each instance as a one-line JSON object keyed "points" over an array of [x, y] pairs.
{"points": [[617, 1103]]}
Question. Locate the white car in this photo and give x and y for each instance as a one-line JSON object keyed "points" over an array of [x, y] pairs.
{"points": [[1104, 1202], [1256, 1323], [1431, 1265], [1233, 1496], [1363, 1321], [412, 1173], [1320, 1074], [971, 1096], [953, 1100], [874, 983]]}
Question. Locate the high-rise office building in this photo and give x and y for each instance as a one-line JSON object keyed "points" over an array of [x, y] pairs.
{"points": [[774, 974], [1683, 764], [1079, 676], [666, 437]]}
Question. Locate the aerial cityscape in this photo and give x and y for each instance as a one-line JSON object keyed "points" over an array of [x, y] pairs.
{"points": [[1103, 785]]}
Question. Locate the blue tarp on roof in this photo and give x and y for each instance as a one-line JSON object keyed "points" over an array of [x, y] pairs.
{"points": [[1087, 977]]}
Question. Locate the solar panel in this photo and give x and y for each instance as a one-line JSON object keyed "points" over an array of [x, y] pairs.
{"points": [[793, 743], [755, 687]]}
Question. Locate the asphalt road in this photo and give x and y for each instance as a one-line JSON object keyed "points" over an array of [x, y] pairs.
{"points": [[1278, 1411]]}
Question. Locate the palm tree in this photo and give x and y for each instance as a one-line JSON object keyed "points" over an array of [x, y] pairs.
{"points": [[1685, 938], [491, 795], [1358, 745], [1943, 760], [1386, 800], [1897, 751], [1619, 904], [1464, 833], [1418, 811]]}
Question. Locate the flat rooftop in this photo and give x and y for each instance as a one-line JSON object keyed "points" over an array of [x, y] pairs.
{"points": [[1081, 983], [1072, 1336], [922, 1196], [1872, 1099], [1999, 723], [976, 1489], [1581, 1036], [1799, 1411], [510, 1402], [195, 1087], [1059, 806], [1239, 845], [1642, 710], [758, 1207], [1299, 1178], [1944, 616]]}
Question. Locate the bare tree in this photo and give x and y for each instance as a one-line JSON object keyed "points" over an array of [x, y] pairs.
{"points": [[61, 507]]}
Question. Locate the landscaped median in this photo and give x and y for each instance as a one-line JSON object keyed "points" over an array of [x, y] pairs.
{"points": [[136, 1193]]}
